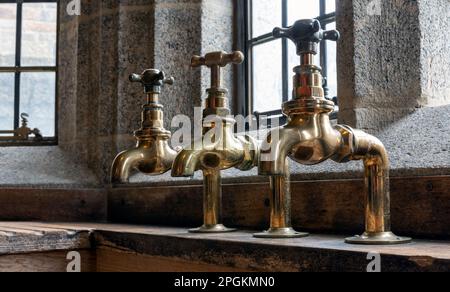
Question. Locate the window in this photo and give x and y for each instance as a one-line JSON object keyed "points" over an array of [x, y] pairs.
{"points": [[267, 76], [28, 65]]}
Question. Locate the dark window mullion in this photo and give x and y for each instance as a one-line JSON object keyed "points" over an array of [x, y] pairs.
{"points": [[18, 63], [323, 45], [249, 36], [285, 60]]}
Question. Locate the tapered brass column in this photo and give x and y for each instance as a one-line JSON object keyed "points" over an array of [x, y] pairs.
{"points": [[280, 211], [212, 202]]}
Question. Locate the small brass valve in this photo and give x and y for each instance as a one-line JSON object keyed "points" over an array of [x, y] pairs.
{"points": [[152, 155], [217, 101]]}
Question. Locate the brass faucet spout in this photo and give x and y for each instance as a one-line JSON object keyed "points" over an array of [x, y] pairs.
{"points": [[186, 163], [124, 164], [153, 154], [220, 148], [308, 138]]}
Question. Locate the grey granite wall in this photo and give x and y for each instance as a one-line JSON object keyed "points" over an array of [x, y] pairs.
{"points": [[100, 108], [434, 18], [388, 59]]}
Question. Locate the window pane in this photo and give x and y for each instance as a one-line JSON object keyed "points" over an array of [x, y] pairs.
{"points": [[267, 77], [331, 65], [37, 98], [39, 34], [6, 101], [330, 6], [302, 9], [266, 15], [7, 34]]}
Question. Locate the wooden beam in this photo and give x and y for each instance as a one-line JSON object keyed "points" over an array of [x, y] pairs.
{"points": [[110, 247], [54, 262], [420, 206], [63, 205]]}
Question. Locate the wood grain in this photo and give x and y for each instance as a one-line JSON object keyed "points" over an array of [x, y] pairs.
{"points": [[420, 206], [32, 237], [116, 260], [127, 248], [46, 262], [63, 205]]}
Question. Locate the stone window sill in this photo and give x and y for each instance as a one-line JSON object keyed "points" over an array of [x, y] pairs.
{"points": [[419, 145], [47, 166]]}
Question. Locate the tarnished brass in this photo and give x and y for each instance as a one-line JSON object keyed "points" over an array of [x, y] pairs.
{"points": [[153, 154], [22, 133], [309, 138], [219, 149]]}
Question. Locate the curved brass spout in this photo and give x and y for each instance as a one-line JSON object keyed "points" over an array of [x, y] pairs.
{"points": [[222, 151], [219, 149], [153, 154], [151, 158], [308, 138]]}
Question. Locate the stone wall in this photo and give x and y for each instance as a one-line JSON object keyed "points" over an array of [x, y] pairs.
{"points": [[434, 21], [111, 39], [391, 59]]}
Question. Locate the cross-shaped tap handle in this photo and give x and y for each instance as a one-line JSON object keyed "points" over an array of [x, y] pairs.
{"points": [[152, 80], [306, 34], [215, 61]]}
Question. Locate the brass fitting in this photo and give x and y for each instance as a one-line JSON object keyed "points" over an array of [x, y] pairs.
{"points": [[222, 150], [22, 133], [153, 154], [309, 138]]}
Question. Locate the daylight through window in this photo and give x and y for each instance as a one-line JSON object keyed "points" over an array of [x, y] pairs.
{"points": [[28, 65]]}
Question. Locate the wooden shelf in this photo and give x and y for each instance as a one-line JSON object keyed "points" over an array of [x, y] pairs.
{"points": [[147, 248]]}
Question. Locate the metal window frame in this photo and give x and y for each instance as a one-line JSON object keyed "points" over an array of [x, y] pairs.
{"points": [[246, 42], [18, 69]]}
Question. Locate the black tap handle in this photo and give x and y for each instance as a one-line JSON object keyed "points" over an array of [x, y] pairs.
{"points": [[306, 34], [152, 80]]}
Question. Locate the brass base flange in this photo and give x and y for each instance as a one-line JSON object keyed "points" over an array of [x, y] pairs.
{"points": [[281, 233], [219, 228], [382, 238]]}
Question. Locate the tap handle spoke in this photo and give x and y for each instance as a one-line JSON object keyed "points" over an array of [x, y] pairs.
{"points": [[220, 59], [306, 34], [152, 80], [215, 61]]}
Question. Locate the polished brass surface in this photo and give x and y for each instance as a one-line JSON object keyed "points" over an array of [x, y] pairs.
{"points": [[22, 133], [219, 148], [280, 217], [309, 138], [153, 154]]}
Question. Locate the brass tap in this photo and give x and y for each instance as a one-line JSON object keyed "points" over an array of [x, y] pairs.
{"points": [[309, 138], [153, 154], [219, 149], [22, 133]]}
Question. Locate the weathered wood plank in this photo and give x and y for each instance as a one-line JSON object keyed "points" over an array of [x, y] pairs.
{"points": [[53, 204], [152, 248], [17, 238], [239, 251], [46, 262], [115, 260], [420, 206]]}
